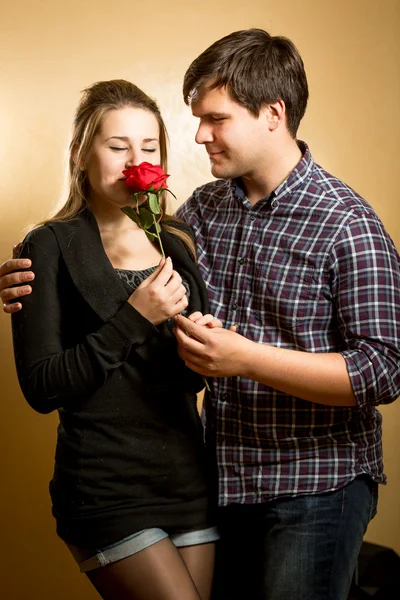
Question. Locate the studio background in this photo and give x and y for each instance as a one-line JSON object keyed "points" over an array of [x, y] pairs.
{"points": [[49, 51]]}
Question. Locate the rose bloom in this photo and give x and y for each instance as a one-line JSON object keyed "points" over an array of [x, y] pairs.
{"points": [[140, 178]]}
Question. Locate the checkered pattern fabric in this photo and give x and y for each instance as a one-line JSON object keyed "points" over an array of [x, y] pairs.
{"points": [[309, 268]]}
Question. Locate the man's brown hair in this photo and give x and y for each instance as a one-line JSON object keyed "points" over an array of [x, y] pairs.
{"points": [[256, 69]]}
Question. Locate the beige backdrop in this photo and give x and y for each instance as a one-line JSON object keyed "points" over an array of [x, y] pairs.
{"points": [[50, 50]]}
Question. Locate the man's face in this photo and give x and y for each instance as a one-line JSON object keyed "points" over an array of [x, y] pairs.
{"points": [[235, 140]]}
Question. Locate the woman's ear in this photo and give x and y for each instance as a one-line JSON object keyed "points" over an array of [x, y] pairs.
{"points": [[76, 159]]}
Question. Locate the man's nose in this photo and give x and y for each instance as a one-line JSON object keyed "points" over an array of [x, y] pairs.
{"points": [[204, 134]]}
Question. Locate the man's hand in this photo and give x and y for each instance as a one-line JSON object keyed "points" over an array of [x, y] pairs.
{"points": [[10, 276], [160, 296], [213, 352]]}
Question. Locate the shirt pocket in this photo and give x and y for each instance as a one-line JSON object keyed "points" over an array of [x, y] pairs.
{"points": [[285, 290]]}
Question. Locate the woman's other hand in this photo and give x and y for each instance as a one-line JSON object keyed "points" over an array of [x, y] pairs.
{"points": [[160, 296], [205, 320]]}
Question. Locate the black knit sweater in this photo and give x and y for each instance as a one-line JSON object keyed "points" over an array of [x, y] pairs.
{"points": [[130, 451]]}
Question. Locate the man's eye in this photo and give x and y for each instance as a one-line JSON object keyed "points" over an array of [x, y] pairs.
{"points": [[219, 119]]}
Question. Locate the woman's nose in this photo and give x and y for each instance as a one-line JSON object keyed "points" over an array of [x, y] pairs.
{"points": [[132, 158]]}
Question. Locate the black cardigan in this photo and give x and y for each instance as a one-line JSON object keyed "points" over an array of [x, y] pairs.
{"points": [[130, 451]]}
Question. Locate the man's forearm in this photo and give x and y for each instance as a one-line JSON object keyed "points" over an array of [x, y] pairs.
{"points": [[320, 378]]}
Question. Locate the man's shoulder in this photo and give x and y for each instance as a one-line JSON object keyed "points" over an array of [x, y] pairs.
{"points": [[216, 186], [332, 189], [206, 196], [213, 190]]}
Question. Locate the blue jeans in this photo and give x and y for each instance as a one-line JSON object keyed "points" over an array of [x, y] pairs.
{"points": [[302, 548]]}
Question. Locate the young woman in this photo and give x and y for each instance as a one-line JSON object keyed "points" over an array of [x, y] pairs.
{"points": [[131, 491]]}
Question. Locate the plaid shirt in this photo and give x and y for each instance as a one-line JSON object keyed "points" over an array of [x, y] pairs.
{"points": [[308, 268]]}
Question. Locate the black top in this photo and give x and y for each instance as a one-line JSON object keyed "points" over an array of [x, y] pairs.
{"points": [[130, 451]]}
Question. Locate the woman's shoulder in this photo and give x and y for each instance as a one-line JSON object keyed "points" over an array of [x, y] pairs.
{"points": [[40, 236], [40, 244], [46, 236]]}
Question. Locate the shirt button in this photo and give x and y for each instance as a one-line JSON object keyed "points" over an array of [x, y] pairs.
{"points": [[252, 217], [234, 306], [241, 261], [224, 397]]}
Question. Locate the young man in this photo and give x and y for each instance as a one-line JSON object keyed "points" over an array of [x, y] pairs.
{"points": [[307, 282]]}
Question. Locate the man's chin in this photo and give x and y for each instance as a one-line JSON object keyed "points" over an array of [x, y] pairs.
{"points": [[222, 173]]}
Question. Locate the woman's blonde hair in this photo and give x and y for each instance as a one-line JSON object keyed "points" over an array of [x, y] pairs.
{"points": [[97, 100]]}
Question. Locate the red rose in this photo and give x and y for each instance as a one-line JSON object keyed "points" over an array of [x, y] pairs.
{"points": [[145, 176]]}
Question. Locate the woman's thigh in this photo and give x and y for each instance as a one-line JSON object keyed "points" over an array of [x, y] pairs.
{"points": [[196, 550], [155, 573], [199, 561]]}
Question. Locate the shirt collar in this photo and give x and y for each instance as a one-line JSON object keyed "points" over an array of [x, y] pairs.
{"points": [[296, 178], [299, 175]]}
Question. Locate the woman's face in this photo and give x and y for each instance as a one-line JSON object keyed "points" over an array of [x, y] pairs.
{"points": [[128, 136]]}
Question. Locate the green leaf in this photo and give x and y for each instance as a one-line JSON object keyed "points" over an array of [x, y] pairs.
{"points": [[153, 203], [146, 218], [150, 236], [131, 213]]}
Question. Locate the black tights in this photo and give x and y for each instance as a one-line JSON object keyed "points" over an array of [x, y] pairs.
{"points": [[160, 572]]}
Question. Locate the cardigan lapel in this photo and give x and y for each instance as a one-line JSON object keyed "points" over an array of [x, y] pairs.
{"points": [[94, 276], [88, 265]]}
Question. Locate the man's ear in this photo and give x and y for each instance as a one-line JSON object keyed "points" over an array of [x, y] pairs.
{"points": [[275, 114]]}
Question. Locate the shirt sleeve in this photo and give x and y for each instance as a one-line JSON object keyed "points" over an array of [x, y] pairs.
{"points": [[366, 284], [51, 375]]}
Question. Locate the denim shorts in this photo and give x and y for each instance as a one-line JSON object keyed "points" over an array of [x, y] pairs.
{"points": [[89, 559]]}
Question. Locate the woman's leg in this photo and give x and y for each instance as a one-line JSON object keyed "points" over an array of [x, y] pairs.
{"points": [[199, 560], [155, 573]]}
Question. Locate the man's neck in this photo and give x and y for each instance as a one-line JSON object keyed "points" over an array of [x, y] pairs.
{"points": [[279, 164]]}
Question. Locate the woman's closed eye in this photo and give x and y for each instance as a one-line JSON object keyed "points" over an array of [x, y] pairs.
{"points": [[118, 148]]}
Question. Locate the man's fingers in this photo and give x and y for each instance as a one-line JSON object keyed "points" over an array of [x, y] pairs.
{"points": [[192, 329], [12, 308], [187, 345], [8, 281], [15, 292], [13, 265]]}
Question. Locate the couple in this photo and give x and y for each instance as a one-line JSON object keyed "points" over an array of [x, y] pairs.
{"points": [[301, 345]]}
